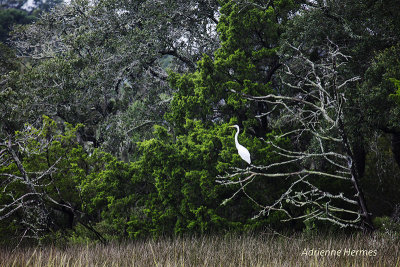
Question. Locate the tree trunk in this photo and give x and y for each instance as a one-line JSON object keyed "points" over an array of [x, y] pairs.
{"points": [[366, 221], [359, 154]]}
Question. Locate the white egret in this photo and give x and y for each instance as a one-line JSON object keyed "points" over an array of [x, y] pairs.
{"points": [[243, 152]]}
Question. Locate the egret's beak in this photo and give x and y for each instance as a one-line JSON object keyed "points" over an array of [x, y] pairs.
{"points": [[231, 126]]}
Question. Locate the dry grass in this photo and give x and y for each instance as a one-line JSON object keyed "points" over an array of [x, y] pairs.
{"points": [[263, 250]]}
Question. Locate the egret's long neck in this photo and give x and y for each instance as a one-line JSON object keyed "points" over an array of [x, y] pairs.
{"points": [[236, 136]]}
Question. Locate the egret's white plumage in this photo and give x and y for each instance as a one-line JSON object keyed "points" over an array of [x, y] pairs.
{"points": [[243, 152]]}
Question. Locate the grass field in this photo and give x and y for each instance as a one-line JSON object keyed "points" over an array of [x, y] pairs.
{"points": [[261, 250]]}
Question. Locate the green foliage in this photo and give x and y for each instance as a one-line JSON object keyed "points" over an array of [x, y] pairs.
{"points": [[386, 223], [379, 90], [396, 83], [14, 12], [388, 227], [244, 64], [43, 166], [9, 17], [103, 64], [106, 191], [171, 188], [184, 196], [382, 176]]}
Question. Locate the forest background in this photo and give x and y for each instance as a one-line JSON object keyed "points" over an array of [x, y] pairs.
{"points": [[114, 118]]}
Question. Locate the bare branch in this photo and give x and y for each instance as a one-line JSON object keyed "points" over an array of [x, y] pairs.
{"points": [[312, 108]]}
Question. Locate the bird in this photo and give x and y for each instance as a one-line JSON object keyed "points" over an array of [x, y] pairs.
{"points": [[243, 152]]}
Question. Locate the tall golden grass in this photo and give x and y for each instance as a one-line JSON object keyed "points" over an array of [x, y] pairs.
{"points": [[246, 250]]}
